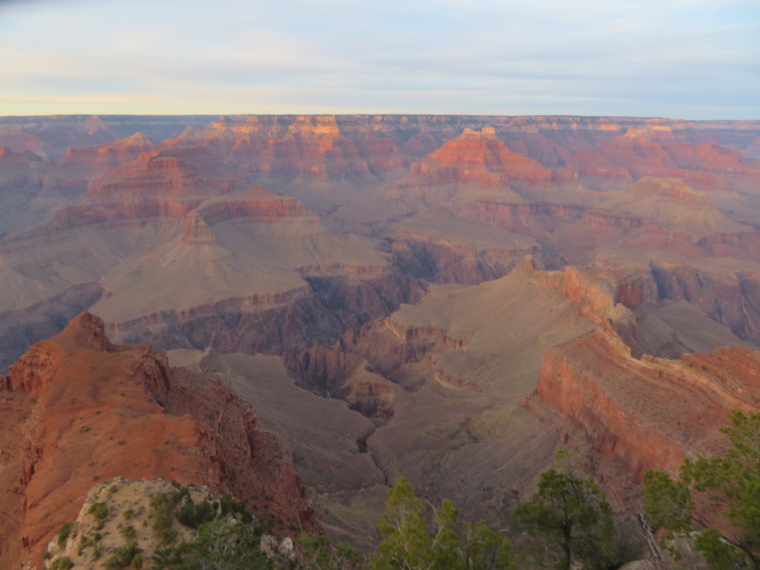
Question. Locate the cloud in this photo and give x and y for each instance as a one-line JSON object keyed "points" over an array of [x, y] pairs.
{"points": [[629, 57]]}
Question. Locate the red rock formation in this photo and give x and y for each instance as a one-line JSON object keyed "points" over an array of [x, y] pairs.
{"points": [[172, 172], [80, 165], [258, 203], [108, 156], [139, 208], [309, 147], [656, 150], [478, 157], [647, 413], [77, 408], [168, 183], [197, 231]]}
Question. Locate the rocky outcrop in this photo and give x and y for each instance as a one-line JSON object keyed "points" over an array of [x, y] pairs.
{"points": [[652, 412], [166, 183], [254, 206], [302, 147], [139, 208], [281, 323], [81, 409], [337, 374], [90, 541], [438, 261], [729, 299], [661, 151], [257, 203], [102, 158], [478, 157], [175, 172]]}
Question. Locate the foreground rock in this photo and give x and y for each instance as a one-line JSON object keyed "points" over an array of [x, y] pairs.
{"points": [[76, 409]]}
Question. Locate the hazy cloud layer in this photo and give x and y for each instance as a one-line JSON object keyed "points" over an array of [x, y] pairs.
{"points": [[678, 58]]}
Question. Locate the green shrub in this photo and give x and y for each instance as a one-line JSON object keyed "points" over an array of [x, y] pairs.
{"points": [[163, 526], [66, 530], [123, 556], [221, 545], [128, 532], [100, 512], [195, 515], [230, 506], [64, 563]]}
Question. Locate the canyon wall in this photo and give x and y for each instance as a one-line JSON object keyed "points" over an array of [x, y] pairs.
{"points": [[77, 409]]}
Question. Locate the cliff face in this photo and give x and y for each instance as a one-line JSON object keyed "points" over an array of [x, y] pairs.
{"points": [[79, 165], [479, 157], [304, 147], [176, 172], [282, 323], [662, 151], [729, 299], [337, 374], [648, 413], [80, 409]]}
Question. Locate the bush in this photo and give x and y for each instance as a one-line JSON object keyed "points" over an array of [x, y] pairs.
{"points": [[100, 512], [64, 563], [123, 556], [195, 515], [221, 545], [163, 525], [66, 530]]}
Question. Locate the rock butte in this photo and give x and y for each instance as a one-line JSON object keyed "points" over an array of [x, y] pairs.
{"points": [[77, 408], [444, 297]]}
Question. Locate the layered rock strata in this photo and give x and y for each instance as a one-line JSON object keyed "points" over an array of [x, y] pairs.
{"points": [[77, 408]]}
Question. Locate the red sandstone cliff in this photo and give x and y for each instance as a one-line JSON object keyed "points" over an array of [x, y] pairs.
{"points": [[308, 147], [648, 413], [478, 157], [76, 409], [658, 150]]}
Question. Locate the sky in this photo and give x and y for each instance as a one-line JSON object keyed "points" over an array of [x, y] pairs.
{"points": [[691, 59]]}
